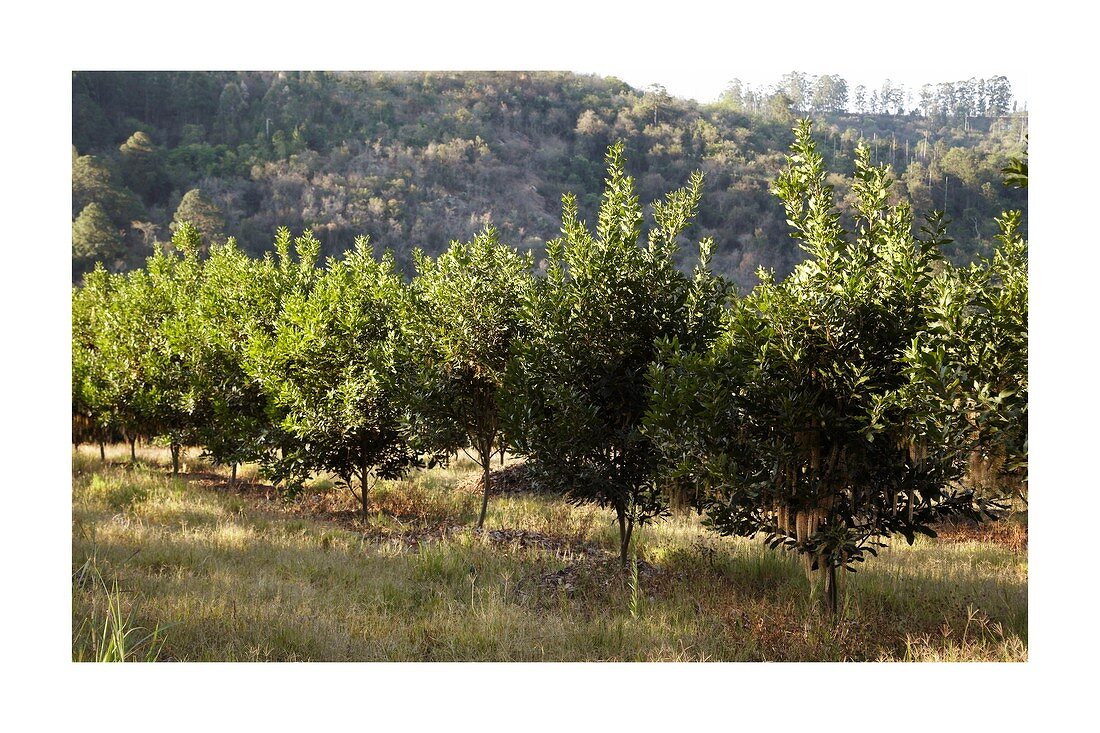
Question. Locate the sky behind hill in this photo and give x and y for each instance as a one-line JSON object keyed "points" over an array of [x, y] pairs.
{"points": [[693, 48]]}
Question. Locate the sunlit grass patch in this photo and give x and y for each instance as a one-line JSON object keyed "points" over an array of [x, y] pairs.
{"points": [[228, 575], [977, 639], [114, 492]]}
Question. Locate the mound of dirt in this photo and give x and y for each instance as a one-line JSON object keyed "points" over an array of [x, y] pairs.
{"points": [[557, 545], [602, 570], [514, 479]]}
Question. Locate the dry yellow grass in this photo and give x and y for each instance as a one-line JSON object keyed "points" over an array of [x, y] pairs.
{"points": [[233, 576]]}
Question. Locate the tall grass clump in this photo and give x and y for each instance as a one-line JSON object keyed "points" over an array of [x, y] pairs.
{"points": [[111, 634], [117, 492]]}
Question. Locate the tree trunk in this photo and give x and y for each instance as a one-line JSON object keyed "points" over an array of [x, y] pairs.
{"points": [[233, 476], [102, 452], [175, 459], [485, 463], [364, 490], [626, 529], [808, 567], [282, 455], [830, 590], [133, 450]]}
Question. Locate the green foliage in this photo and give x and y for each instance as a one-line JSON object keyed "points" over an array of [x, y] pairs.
{"points": [[93, 182], [94, 402], [577, 392], [229, 300], [336, 366], [1015, 172], [177, 405], [980, 322], [204, 215], [119, 380], [95, 238], [135, 358], [828, 410], [142, 167], [1002, 351], [823, 417], [467, 323]]}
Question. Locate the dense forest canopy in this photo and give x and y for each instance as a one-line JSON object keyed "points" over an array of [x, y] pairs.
{"points": [[415, 159]]}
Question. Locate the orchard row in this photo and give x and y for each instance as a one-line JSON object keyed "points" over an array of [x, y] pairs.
{"points": [[875, 391]]}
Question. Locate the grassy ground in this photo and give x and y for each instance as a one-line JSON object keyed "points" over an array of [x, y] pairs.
{"points": [[189, 569]]}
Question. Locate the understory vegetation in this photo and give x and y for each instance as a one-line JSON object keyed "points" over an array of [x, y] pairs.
{"points": [[195, 569]]}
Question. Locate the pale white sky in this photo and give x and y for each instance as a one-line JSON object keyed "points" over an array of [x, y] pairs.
{"points": [[692, 47], [865, 42], [694, 50]]}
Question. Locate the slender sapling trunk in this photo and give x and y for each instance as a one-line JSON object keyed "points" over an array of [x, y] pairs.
{"points": [[175, 459], [485, 459], [364, 490], [282, 454], [133, 450], [626, 529], [102, 452], [830, 590], [233, 475]]}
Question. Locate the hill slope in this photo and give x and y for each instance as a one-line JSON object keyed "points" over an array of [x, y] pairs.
{"points": [[419, 159]]}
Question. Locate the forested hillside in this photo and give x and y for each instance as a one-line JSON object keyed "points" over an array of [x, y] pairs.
{"points": [[420, 159]]}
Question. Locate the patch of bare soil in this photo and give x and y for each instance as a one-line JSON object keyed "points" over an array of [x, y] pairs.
{"points": [[602, 570]]}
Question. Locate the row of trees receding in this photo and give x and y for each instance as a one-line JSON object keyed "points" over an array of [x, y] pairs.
{"points": [[827, 412]]}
